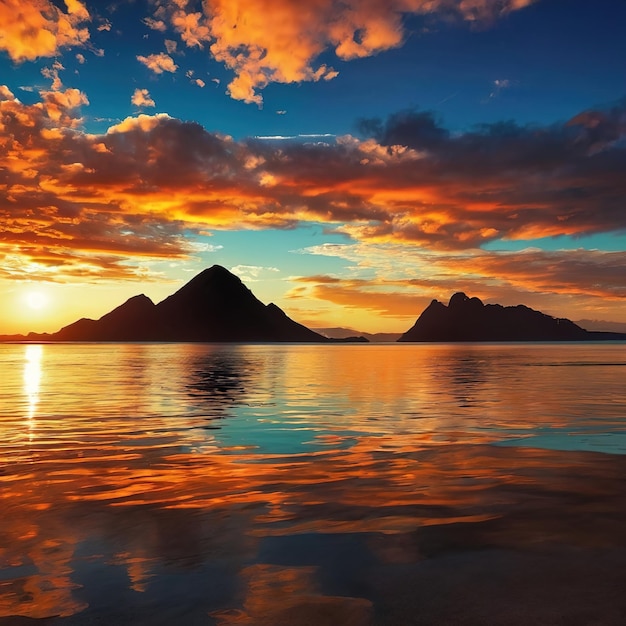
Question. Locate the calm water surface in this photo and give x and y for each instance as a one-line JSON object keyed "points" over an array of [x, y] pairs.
{"points": [[310, 484]]}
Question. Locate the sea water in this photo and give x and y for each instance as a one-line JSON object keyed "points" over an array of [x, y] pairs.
{"points": [[313, 484]]}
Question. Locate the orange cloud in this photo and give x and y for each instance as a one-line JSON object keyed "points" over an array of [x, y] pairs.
{"points": [[158, 63], [50, 228], [192, 27], [566, 272], [155, 24], [410, 183], [362, 294], [62, 107], [401, 282], [141, 98], [263, 46], [30, 29]]}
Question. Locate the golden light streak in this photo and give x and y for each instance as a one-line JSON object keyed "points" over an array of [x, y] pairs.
{"points": [[32, 379]]}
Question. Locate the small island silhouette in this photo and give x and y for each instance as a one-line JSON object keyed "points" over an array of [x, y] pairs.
{"points": [[215, 306], [468, 319]]}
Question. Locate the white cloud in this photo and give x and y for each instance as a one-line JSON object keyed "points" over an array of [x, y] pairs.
{"points": [[251, 273]]}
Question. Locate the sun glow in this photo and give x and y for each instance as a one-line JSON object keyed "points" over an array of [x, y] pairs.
{"points": [[36, 300]]}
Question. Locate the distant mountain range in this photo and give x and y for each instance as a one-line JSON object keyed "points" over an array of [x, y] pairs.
{"points": [[347, 333], [468, 319], [602, 325], [215, 306]]}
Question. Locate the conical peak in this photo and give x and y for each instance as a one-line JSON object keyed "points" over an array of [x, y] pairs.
{"points": [[214, 276], [215, 272], [216, 306], [215, 290]]}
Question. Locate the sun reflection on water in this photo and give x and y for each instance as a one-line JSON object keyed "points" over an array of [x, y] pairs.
{"points": [[32, 380]]}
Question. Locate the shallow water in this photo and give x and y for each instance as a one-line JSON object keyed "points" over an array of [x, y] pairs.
{"points": [[312, 484]]}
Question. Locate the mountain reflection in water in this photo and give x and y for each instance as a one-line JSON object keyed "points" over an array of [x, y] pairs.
{"points": [[342, 484]]}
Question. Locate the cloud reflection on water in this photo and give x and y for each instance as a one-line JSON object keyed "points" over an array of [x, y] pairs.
{"points": [[127, 504]]}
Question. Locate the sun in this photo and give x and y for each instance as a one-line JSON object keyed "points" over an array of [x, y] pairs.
{"points": [[36, 300]]}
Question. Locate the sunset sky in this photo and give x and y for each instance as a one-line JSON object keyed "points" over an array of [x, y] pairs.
{"points": [[350, 161]]}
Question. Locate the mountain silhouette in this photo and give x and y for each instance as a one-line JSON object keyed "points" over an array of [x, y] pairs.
{"points": [[340, 333], [132, 321], [215, 306], [468, 319]]}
